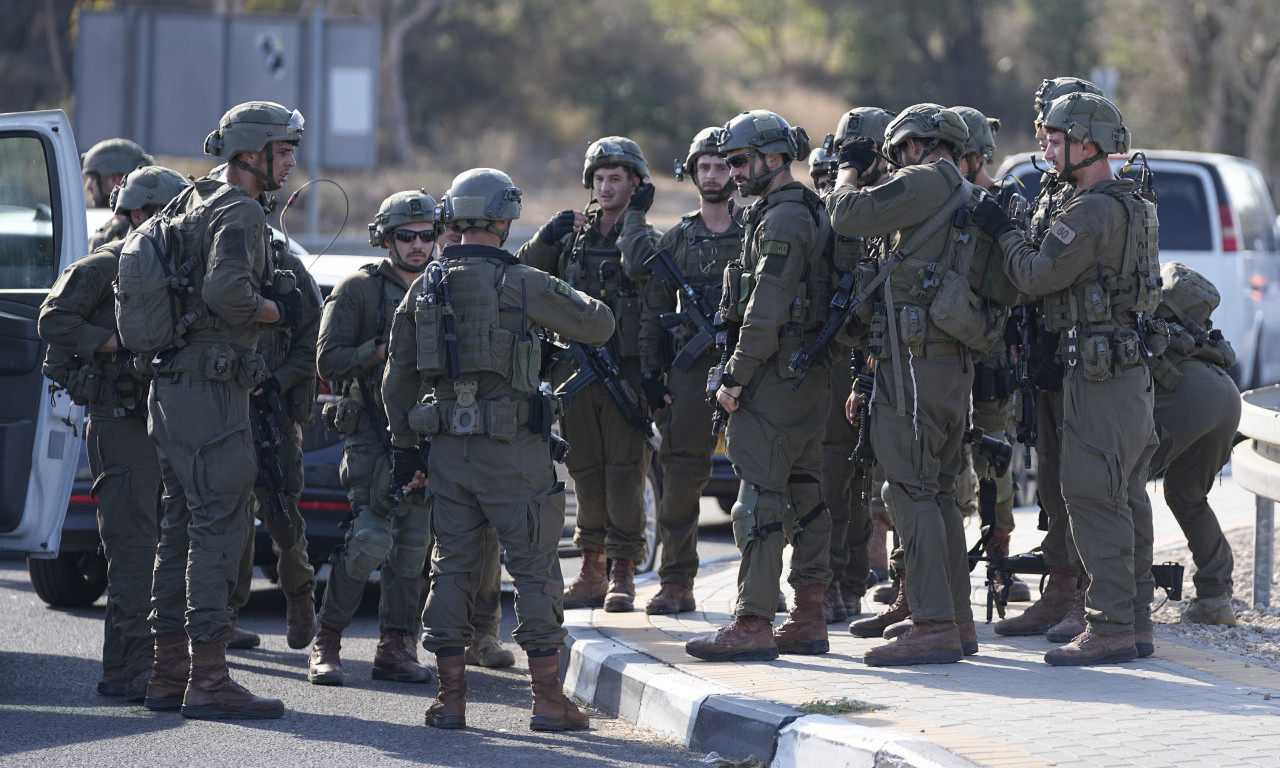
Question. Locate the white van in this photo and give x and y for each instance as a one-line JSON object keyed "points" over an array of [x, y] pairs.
{"points": [[1217, 217]]}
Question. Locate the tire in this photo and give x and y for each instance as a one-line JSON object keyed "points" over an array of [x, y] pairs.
{"points": [[652, 496], [70, 580]]}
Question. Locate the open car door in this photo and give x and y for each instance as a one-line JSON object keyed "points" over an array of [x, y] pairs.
{"points": [[42, 230]]}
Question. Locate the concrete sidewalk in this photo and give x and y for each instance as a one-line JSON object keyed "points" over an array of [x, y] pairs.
{"points": [[1002, 707]]}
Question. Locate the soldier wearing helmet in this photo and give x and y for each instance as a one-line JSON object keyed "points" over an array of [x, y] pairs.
{"points": [[869, 123], [103, 167], [923, 377], [355, 329], [78, 321], [494, 470], [602, 253], [199, 413], [1197, 413], [1097, 273], [701, 245], [774, 434], [822, 169]]}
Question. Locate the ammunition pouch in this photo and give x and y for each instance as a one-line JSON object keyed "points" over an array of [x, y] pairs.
{"points": [[498, 419], [1167, 375], [992, 383], [959, 313], [342, 417], [84, 384], [736, 292]]}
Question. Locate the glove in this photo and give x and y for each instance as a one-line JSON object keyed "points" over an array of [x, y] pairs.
{"points": [[991, 218], [289, 305], [642, 198], [269, 385], [556, 227], [859, 154], [655, 389], [405, 462]]}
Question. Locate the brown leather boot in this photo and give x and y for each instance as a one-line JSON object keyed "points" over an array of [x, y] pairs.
{"points": [[324, 666], [805, 630], [169, 673], [748, 638], [1145, 643], [833, 604], [241, 638], [671, 598], [1073, 623], [552, 710], [1040, 616], [1092, 648], [899, 610], [887, 593], [968, 637], [300, 618], [213, 695], [621, 597], [486, 651], [449, 710], [927, 642], [391, 660], [852, 602], [589, 588]]}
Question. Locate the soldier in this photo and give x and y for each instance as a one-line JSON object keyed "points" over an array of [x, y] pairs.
{"points": [[1098, 272], [392, 535], [924, 374], [822, 169], [199, 417], [465, 335], [291, 363], [700, 246], [774, 434], [103, 167], [1197, 413], [78, 321], [602, 253]]}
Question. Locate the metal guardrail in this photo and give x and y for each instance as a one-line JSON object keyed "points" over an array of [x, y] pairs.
{"points": [[1255, 465]]}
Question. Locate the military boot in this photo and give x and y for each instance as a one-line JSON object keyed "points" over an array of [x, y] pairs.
{"points": [[748, 638], [671, 598], [136, 689], [1019, 592], [589, 588], [169, 673], [1040, 616], [1209, 610], [213, 695], [833, 609], [968, 637], [1144, 643], [852, 601], [552, 710], [805, 630], [241, 638], [900, 610], [1073, 623], [888, 593], [449, 710], [486, 651], [300, 617], [324, 666], [391, 660], [621, 597], [927, 642], [1091, 648]]}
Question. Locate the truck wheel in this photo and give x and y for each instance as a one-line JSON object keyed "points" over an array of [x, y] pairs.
{"points": [[70, 580]]}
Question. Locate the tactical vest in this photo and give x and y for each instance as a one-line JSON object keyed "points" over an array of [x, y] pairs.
{"points": [[597, 270], [703, 255]]}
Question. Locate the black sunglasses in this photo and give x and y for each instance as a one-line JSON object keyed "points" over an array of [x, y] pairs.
{"points": [[409, 235], [737, 161]]}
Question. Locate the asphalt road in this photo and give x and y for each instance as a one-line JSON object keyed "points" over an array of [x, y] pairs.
{"points": [[51, 714]]}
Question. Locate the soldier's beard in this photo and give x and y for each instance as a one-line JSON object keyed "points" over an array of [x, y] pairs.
{"points": [[716, 194]]}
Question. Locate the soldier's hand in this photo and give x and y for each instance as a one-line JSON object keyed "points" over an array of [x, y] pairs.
{"points": [[269, 384], [557, 227], [642, 197], [858, 154], [728, 397], [289, 305], [406, 465], [655, 389], [851, 408], [991, 218]]}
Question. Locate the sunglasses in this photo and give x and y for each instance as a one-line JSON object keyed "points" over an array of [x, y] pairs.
{"points": [[409, 235], [737, 161]]}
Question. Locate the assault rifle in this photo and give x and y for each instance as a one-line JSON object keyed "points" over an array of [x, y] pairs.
{"points": [[726, 341], [863, 457], [267, 421], [697, 312], [1023, 318], [597, 364]]}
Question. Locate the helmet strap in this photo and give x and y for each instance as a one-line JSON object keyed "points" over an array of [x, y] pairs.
{"points": [[756, 185], [1069, 169], [268, 179]]}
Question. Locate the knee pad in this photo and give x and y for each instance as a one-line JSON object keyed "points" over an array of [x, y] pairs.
{"points": [[409, 552], [367, 550]]}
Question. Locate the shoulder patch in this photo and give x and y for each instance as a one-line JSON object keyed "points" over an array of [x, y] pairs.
{"points": [[1063, 232], [775, 248], [564, 289]]}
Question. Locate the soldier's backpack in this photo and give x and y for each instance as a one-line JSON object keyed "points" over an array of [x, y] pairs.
{"points": [[154, 303]]}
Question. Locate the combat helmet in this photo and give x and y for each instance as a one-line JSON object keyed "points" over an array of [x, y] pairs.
{"points": [[1086, 117], [150, 185], [765, 133], [251, 126], [410, 206], [867, 122], [1186, 295], [1058, 87], [611, 151], [932, 123], [822, 164], [114, 156], [982, 132], [482, 196]]}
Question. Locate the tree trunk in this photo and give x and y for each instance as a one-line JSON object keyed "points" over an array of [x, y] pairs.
{"points": [[392, 66]]}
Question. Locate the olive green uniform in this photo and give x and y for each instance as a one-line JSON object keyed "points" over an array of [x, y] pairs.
{"points": [[918, 439], [356, 319], [291, 361], [687, 442], [79, 316], [113, 229], [1107, 435], [499, 475], [199, 419], [774, 438], [609, 461]]}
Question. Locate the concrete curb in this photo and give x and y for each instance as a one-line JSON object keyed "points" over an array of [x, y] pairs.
{"points": [[706, 716]]}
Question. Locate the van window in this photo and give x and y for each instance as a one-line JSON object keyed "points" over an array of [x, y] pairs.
{"points": [[27, 258], [1185, 223], [1252, 203]]}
